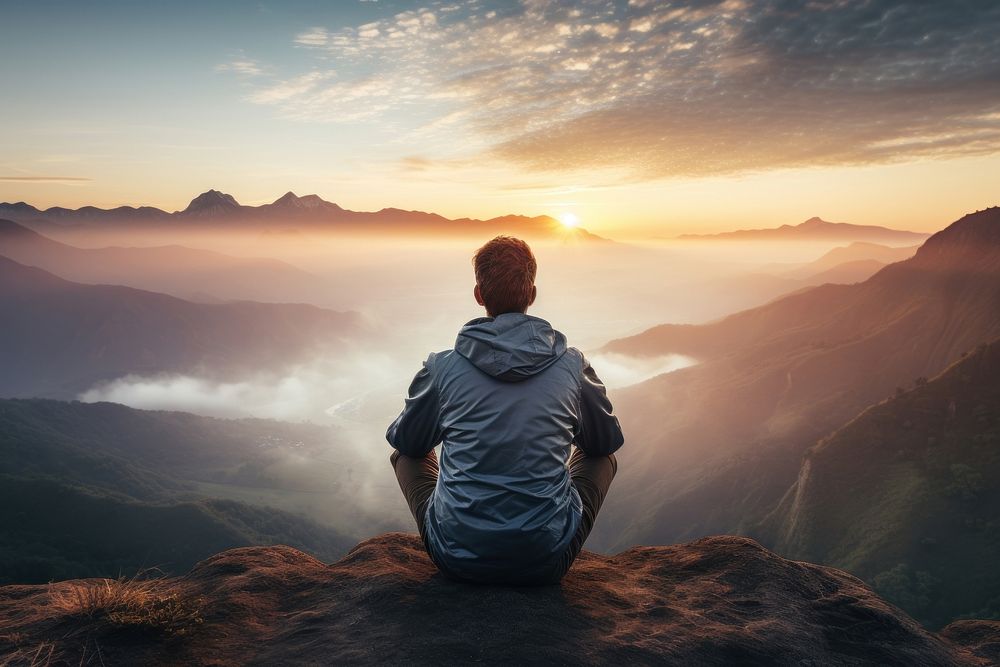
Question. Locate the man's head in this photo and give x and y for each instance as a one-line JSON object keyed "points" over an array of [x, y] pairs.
{"points": [[505, 276]]}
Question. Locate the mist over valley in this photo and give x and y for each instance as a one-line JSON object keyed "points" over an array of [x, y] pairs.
{"points": [[721, 355]]}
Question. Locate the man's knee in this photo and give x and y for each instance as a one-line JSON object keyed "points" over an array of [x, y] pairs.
{"points": [[593, 466]]}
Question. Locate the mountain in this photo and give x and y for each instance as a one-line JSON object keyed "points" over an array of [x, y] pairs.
{"points": [[852, 254], [846, 273], [54, 531], [212, 204], [907, 495], [175, 270], [815, 229], [290, 204], [102, 489], [719, 296], [172, 269], [714, 447], [215, 208], [66, 216], [717, 601], [724, 295], [60, 338]]}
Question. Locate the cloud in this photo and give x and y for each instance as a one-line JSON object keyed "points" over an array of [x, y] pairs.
{"points": [[688, 88], [619, 370], [311, 391], [415, 163], [313, 37], [244, 66], [44, 179]]}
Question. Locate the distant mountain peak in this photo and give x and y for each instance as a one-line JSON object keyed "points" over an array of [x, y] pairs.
{"points": [[19, 205], [970, 243], [313, 201], [974, 228], [818, 229], [815, 221], [212, 201], [287, 198], [291, 201]]}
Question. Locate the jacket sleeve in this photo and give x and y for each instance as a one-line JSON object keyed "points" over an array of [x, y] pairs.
{"points": [[417, 429], [599, 432]]}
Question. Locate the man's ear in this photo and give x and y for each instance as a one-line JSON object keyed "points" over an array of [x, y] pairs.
{"points": [[534, 293], [479, 297]]}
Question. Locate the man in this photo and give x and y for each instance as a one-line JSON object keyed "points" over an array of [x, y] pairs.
{"points": [[507, 404]]}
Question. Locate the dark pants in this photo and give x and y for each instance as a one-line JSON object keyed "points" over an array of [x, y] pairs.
{"points": [[590, 475]]}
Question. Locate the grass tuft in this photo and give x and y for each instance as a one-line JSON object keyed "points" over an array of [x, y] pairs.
{"points": [[136, 604]]}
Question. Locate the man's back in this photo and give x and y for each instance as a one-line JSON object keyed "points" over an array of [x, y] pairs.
{"points": [[507, 404], [509, 503]]}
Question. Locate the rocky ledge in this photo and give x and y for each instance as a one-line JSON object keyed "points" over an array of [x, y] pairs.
{"points": [[715, 601]]}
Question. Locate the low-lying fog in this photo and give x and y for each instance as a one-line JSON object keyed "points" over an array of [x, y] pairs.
{"points": [[418, 294]]}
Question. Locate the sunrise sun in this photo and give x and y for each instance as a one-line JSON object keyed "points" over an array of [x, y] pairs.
{"points": [[569, 220]]}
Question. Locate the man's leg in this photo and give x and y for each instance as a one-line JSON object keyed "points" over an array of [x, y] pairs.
{"points": [[417, 479], [592, 477]]}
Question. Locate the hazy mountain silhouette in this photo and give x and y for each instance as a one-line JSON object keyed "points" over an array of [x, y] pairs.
{"points": [[815, 229], [211, 204], [716, 601], [289, 204], [745, 290], [840, 258], [102, 490], [61, 337], [177, 270], [289, 211], [715, 446], [724, 295], [847, 273], [906, 495], [84, 214]]}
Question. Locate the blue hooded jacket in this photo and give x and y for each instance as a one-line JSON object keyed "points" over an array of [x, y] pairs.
{"points": [[507, 404]]}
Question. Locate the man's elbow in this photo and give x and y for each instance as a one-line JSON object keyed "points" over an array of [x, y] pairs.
{"points": [[617, 441], [605, 446], [397, 441], [613, 437], [415, 449], [614, 443]]}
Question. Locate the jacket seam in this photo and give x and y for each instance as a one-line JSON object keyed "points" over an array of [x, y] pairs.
{"points": [[579, 397], [432, 360]]}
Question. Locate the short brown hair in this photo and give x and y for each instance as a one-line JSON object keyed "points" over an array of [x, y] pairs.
{"points": [[505, 272]]}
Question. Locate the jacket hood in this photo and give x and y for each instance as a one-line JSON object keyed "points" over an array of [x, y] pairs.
{"points": [[511, 346]]}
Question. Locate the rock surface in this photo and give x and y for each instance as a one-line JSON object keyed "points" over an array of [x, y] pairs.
{"points": [[715, 601]]}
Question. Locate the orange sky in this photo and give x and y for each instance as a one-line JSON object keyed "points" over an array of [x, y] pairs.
{"points": [[643, 119]]}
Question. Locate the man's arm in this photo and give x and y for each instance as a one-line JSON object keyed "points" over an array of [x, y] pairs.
{"points": [[599, 433], [417, 430]]}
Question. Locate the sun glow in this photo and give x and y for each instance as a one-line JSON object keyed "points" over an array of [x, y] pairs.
{"points": [[569, 220]]}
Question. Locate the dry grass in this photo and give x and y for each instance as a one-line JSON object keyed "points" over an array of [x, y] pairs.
{"points": [[81, 618], [37, 656], [149, 605]]}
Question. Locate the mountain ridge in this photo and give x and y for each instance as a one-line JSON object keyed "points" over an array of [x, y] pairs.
{"points": [[173, 269], [916, 514], [718, 444], [815, 229], [57, 345], [221, 208], [81, 484]]}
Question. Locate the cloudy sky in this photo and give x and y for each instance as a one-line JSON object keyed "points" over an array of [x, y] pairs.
{"points": [[642, 118]]}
